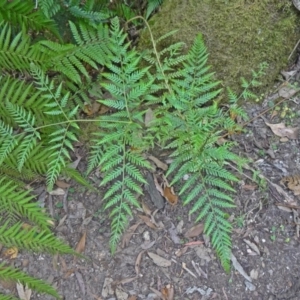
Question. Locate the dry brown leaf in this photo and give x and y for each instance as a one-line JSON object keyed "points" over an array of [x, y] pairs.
{"points": [[11, 253], [69, 273], [158, 260], [158, 163], [168, 292], [23, 292], [293, 183], [62, 184], [282, 131], [125, 280], [146, 209], [80, 247], [132, 297], [138, 262], [127, 236], [170, 195], [63, 264], [181, 251], [148, 221], [194, 231], [157, 185]]}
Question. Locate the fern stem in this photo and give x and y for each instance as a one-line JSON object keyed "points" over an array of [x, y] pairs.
{"points": [[80, 121]]}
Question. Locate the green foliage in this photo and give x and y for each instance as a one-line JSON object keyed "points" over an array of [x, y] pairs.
{"points": [[9, 273], [121, 132], [40, 122]]}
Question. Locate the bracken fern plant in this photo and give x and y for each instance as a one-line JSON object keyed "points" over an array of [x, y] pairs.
{"points": [[189, 121]]}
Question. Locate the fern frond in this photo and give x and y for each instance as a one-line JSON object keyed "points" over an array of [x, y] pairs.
{"points": [[16, 203], [92, 17], [91, 48], [16, 50], [49, 7], [32, 239], [23, 13], [9, 273], [7, 297]]}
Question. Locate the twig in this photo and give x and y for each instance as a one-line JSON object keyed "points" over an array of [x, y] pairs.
{"points": [[224, 293], [294, 50]]}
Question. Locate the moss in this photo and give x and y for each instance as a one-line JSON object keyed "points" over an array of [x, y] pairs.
{"points": [[239, 34]]}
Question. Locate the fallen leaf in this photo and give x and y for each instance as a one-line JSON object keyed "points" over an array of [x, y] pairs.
{"points": [[194, 231], [174, 234], [170, 195], [120, 294], [107, 288], [158, 163], [148, 221], [138, 262], [146, 209], [239, 268], [57, 192], [80, 247], [69, 273], [284, 208], [81, 283], [74, 164], [132, 297], [254, 274], [127, 236], [125, 280], [293, 183], [148, 244], [23, 293], [179, 226], [157, 293], [252, 246], [149, 116], [62, 184], [158, 260], [282, 131], [181, 251], [11, 253], [287, 92], [157, 185], [168, 292]]}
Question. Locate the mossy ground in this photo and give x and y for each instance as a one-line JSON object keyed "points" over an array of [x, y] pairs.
{"points": [[239, 35]]}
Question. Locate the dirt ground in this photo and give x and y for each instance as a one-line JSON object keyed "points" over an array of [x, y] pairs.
{"points": [[154, 257]]}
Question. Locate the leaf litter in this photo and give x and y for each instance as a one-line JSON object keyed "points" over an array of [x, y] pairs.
{"points": [[159, 261]]}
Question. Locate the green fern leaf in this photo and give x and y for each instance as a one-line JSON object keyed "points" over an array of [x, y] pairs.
{"points": [[9, 273]]}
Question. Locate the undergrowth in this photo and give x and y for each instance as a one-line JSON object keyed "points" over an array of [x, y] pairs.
{"points": [[45, 84]]}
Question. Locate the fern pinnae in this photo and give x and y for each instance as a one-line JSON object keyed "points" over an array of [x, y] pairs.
{"points": [[9, 273]]}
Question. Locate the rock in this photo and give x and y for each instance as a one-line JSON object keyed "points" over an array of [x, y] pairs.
{"points": [[239, 35]]}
